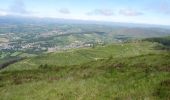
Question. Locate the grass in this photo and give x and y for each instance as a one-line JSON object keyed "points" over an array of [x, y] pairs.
{"points": [[120, 74], [80, 56]]}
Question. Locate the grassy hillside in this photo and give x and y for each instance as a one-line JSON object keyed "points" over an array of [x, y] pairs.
{"points": [[79, 56], [119, 71]]}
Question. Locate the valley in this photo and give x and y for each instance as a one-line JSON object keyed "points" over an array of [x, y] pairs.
{"points": [[26, 38]]}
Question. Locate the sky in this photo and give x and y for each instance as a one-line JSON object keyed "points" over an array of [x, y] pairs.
{"points": [[130, 11]]}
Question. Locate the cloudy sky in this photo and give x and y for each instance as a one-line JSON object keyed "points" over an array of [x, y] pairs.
{"points": [[131, 11]]}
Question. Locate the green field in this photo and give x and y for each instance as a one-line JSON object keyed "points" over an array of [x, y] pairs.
{"points": [[125, 71], [80, 56]]}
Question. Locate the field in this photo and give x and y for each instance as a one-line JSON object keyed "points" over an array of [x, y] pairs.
{"points": [[133, 70], [3, 40], [80, 56]]}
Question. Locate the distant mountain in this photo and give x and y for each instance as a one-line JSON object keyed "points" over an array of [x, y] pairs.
{"points": [[36, 20]]}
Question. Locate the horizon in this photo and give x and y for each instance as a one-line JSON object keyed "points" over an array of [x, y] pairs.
{"points": [[154, 12]]}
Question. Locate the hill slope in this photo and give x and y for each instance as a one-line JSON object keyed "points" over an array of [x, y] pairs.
{"points": [[119, 71], [79, 56]]}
